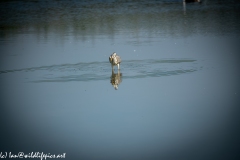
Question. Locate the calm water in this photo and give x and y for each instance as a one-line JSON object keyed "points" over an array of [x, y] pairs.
{"points": [[177, 94]]}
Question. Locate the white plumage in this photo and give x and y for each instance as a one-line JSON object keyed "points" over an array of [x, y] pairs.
{"points": [[114, 59]]}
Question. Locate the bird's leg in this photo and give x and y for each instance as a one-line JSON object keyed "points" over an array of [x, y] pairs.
{"points": [[118, 66], [112, 72]]}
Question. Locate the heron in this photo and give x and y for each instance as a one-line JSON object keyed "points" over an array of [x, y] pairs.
{"points": [[115, 60]]}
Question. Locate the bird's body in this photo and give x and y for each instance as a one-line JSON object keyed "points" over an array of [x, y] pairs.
{"points": [[114, 59]]}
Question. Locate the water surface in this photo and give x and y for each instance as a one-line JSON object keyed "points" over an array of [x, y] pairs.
{"points": [[177, 94]]}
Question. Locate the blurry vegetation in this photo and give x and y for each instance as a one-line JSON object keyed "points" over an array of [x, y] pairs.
{"points": [[92, 18]]}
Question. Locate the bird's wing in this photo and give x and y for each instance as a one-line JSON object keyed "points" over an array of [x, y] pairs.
{"points": [[110, 59], [118, 59]]}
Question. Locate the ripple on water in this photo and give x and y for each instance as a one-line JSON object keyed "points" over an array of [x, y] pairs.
{"points": [[93, 71]]}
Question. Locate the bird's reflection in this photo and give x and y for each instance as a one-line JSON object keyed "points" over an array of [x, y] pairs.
{"points": [[116, 79]]}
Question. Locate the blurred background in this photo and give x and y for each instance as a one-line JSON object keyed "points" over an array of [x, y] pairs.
{"points": [[178, 83]]}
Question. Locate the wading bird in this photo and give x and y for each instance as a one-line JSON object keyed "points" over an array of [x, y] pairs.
{"points": [[114, 59]]}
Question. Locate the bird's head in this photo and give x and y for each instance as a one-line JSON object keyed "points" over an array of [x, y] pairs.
{"points": [[114, 54]]}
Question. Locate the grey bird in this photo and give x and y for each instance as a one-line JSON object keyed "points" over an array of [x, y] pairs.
{"points": [[115, 60]]}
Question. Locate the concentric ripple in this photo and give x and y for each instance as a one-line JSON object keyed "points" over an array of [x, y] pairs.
{"points": [[93, 71]]}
